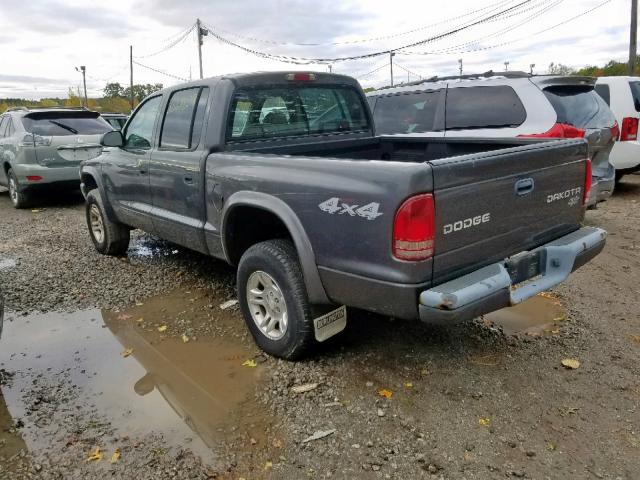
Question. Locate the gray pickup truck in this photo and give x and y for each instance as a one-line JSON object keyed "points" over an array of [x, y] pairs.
{"points": [[281, 175]]}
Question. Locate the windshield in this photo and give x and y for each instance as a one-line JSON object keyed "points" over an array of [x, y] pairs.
{"points": [[63, 124], [296, 110], [580, 106]]}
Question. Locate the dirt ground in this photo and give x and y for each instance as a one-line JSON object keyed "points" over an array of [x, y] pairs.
{"points": [[128, 368]]}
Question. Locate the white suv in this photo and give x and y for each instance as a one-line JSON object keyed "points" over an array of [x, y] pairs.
{"points": [[505, 105], [622, 94]]}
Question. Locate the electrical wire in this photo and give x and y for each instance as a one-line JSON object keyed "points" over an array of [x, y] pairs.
{"points": [[306, 61], [160, 71], [373, 71], [396, 64], [365, 40], [509, 42], [169, 46]]}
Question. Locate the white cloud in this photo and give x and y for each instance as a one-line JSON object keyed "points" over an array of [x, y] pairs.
{"points": [[43, 40]]}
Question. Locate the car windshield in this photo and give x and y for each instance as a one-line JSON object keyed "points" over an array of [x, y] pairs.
{"points": [[63, 124], [580, 106], [295, 110]]}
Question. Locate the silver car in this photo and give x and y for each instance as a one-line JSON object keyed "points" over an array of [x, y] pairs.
{"points": [[31, 144]]}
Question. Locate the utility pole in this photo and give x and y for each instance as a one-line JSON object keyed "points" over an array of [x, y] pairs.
{"points": [[531, 68], [633, 40], [202, 32], [506, 66], [330, 68], [391, 55], [131, 76], [82, 69], [460, 62]]}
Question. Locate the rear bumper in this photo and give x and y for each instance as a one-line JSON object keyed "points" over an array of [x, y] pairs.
{"points": [[51, 176], [491, 287], [625, 155]]}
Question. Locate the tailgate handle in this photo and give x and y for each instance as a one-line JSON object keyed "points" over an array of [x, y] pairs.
{"points": [[524, 186]]}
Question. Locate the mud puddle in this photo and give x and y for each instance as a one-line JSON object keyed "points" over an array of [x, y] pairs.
{"points": [[538, 315], [148, 247], [107, 376]]}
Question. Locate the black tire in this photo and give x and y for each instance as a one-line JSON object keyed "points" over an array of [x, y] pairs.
{"points": [[115, 236], [619, 176], [278, 258], [19, 198]]}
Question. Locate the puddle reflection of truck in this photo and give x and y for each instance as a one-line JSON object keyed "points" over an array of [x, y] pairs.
{"points": [[317, 212]]}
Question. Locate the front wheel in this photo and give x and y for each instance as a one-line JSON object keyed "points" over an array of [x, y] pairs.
{"points": [[273, 299], [109, 238], [19, 198]]}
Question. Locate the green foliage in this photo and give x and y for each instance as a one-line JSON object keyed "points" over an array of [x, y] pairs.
{"points": [[115, 99]]}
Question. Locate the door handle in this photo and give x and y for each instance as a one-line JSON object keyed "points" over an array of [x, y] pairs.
{"points": [[524, 186], [188, 180]]}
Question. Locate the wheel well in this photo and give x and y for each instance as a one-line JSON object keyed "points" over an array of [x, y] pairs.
{"points": [[245, 226], [6, 167], [89, 182]]}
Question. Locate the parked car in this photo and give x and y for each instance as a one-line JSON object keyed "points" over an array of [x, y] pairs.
{"points": [[318, 214], [504, 105], [30, 144], [622, 94], [116, 120]]}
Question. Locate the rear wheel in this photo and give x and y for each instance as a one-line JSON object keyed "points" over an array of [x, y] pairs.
{"points": [[109, 238], [273, 299], [19, 198]]}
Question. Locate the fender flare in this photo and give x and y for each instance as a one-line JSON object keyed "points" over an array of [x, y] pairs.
{"points": [[94, 173], [280, 209]]}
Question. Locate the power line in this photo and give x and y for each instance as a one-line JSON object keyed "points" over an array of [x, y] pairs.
{"points": [[488, 47], [365, 40], [160, 71], [169, 46], [407, 70], [373, 71], [306, 61]]}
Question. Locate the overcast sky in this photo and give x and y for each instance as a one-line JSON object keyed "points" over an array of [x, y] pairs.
{"points": [[42, 41]]}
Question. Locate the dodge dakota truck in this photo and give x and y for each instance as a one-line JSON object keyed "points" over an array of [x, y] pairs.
{"points": [[281, 174]]}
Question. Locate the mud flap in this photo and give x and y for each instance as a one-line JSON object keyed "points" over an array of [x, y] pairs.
{"points": [[330, 324]]}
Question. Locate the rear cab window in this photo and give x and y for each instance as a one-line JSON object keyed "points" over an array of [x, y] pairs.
{"points": [[604, 92], [483, 107], [296, 110], [182, 124], [580, 106], [406, 112], [59, 124], [635, 93]]}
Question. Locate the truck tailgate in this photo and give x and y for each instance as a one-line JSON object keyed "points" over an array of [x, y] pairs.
{"points": [[494, 205]]}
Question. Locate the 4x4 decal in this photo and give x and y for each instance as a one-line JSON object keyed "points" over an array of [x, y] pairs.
{"points": [[334, 205]]}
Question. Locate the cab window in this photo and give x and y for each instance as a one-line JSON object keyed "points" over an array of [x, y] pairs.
{"points": [[139, 133]]}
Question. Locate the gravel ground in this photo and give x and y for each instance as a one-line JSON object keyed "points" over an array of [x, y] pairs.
{"points": [[465, 402]]}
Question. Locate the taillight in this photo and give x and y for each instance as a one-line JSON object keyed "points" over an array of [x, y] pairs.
{"points": [[301, 77], [629, 130], [559, 130], [587, 181], [34, 178], [615, 132], [414, 229], [33, 140]]}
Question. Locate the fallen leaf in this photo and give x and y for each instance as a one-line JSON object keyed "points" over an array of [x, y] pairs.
{"points": [[485, 422], [489, 360], [95, 455], [139, 304], [124, 316], [115, 457], [570, 363], [561, 318], [383, 392], [425, 371], [547, 295], [185, 339], [228, 304], [555, 332], [141, 319], [277, 443], [408, 385], [249, 363], [162, 328], [268, 465], [307, 387], [253, 441], [126, 352], [550, 446], [318, 435], [635, 338]]}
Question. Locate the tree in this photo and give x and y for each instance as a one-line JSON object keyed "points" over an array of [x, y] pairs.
{"points": [[560, 69], [48, 102], [73, 100], [113, 90], [142, 91]]}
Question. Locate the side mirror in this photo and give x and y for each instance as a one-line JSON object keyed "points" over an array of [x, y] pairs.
{"points": [[112, 139]]}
